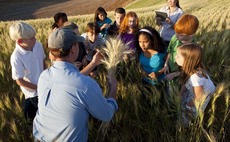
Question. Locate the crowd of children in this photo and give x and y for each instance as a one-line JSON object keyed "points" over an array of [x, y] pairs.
{"points": [[168, 54]]}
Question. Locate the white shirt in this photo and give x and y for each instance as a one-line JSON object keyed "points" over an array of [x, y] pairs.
{"points": [[208, 88], [166, 30], [198, 80], [27, 65]]}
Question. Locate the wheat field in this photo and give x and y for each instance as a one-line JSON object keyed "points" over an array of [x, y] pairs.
{"points": [[151, 119]]}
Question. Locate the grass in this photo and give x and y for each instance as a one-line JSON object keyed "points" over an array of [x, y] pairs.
{"points": [[150, 118]]}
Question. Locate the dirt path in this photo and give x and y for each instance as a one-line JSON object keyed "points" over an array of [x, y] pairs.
{"points": [[27, 9]]}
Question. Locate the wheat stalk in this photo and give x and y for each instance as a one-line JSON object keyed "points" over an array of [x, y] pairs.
{"points": [[113, 52]]}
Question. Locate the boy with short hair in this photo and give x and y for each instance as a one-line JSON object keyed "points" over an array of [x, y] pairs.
{"points": [[93, 39], [185, 28], [119, 16], [27, 62]]}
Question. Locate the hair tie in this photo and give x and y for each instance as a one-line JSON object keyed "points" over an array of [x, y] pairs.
{"points": [[147, 31]]}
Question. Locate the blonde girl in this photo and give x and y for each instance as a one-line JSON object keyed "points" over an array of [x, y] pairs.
{"points": [[197, 87]]}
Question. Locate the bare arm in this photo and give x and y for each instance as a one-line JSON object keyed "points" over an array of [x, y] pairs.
{"points": [[166, 67], [24, 83], [171, 76], [198, 91], [95, 61], [104, 26]]}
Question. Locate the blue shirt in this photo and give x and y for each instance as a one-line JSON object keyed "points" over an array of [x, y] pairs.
{"points": [[153, 64], [103, 32], [167, 30], [66, 98]]}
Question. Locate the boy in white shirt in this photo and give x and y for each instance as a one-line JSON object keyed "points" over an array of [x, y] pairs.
{"points": [[27, 62]]}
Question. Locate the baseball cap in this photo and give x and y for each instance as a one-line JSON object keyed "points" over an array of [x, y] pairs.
{"points": [[63, 38]]}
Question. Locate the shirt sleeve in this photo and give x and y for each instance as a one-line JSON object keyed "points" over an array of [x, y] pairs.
{"points": [[97, 105], [17, 67], [196, 80]]}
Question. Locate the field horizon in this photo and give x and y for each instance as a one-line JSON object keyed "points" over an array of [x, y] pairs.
{"points": [[36, 9]]}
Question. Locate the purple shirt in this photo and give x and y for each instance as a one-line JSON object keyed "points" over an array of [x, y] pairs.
{"points": [[128, 39]]}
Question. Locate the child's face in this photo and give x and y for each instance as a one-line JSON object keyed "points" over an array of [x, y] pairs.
{"points": [[132, 22], [144, 42], [119, 18], [61, 21], [101, 16], [179, 58], [91, 36], [184, 38], [27, 43]]}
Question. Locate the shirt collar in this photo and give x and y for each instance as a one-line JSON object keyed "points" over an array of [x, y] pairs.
{"points": [[21, 50], [64, 64], [169, 9]]}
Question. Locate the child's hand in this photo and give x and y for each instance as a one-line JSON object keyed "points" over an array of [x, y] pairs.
{"points": [[104, 26], [168, 20], [153, 76], [97, 58]]}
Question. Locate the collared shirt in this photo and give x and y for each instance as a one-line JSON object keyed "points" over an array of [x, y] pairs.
{"points": [[166, 30], [172, 48], [27, 65], [66, 98], [174, 43]]}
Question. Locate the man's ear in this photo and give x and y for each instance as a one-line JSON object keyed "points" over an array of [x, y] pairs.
{"points": [[72, 49]]}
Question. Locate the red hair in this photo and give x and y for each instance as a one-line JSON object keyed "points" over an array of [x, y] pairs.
{"points": [[187, 24], [125, 23]]}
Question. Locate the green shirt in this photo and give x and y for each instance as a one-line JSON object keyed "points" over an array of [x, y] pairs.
{"points": [[174, 43]]}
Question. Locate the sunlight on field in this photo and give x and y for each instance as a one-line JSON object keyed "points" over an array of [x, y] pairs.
{"points": [[153, 118]]}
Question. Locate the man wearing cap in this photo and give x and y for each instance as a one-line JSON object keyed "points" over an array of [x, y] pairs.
{"points": [[66, 97]]}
